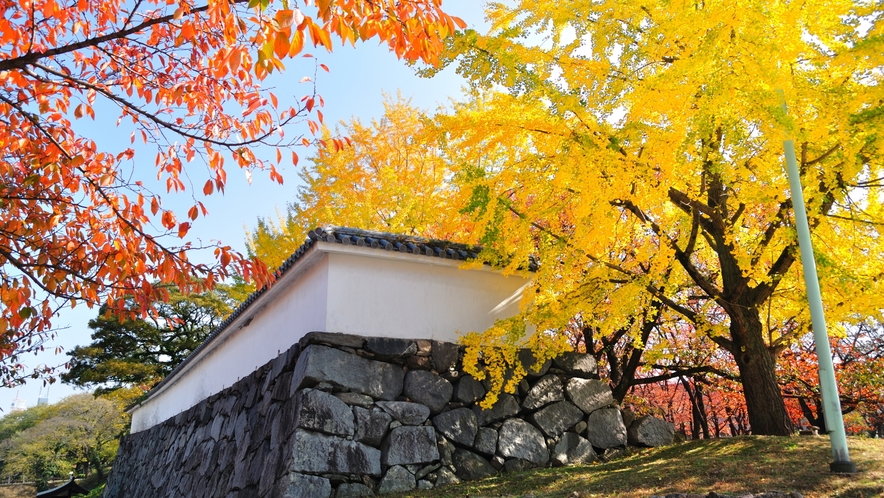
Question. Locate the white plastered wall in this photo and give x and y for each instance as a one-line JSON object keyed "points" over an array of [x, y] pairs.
{"points": [[390, 294], [270, 326], [336, 288]]}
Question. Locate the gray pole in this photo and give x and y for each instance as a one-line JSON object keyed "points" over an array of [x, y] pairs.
{"points": [[828, 385]]}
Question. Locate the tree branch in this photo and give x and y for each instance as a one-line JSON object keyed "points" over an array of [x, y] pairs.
{"points": [[688, 372], [823, 157], [153, 117], [34, 57], [680, 255]]}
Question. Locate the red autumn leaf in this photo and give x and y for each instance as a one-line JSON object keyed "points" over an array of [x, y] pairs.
{"points": [[182, 75]]}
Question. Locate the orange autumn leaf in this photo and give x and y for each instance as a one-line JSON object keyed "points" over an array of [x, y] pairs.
{"points": [[181, 74]]}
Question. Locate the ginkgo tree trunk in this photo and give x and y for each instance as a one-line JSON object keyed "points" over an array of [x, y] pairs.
{"points": [[78, 223], [634, 150]]}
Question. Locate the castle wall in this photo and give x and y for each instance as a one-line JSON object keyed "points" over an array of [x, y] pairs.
{"points": [[341, 415]]}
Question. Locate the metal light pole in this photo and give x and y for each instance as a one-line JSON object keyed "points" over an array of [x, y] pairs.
{"points": [[828, 385]]}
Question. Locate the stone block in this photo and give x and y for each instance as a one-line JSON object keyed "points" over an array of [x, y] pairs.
{"points": [[446, 477], [323, 364], [208, 458], [529, 362], [468, 390], [355, 399], [280, 423], [470, 466], [320, 411], [255, 467], [505, 407], [519, 439], [446, 449], [304, 486], [426, 469], [580, 428], [276, 368], [445, 355], [557, 418], [270, 472], [241, 429], [353, 490], [291, 356], [650, 431], [628, 415], [517, 465], [184, 485], [458, 425], [158, 478], [332, 339], [578, 364], [217, 425], [572, 450], [387, 348], [419, 363], [405, 412], [549, 389], [371, 425], [428, 389], [486, 441], [251, 397], [319, 453], [256, 439], [281, 387], [409, 445], [605, 428], [589, 394], [397, 480]]}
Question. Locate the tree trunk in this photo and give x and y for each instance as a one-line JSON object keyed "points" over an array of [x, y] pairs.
{"points": [[716, 425], [701, 408], [730, 422], [815, 419], [698, 430], [97, 464], [764, 401], [695, 427]]}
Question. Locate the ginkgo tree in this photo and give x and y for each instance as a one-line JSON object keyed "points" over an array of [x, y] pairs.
{"points": [[388, 175], [635, 149], [78, 222]]}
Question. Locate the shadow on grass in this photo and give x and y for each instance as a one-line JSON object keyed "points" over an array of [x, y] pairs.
{"points": [[744, 464]]}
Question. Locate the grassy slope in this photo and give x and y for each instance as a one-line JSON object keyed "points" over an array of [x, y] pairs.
{"points": [[729, 465]]}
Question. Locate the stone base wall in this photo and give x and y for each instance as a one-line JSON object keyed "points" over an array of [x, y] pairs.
{"points": [[340, 415]]}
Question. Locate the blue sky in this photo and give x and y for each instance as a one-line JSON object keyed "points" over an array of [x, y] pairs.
{"points": [[354, 88]]}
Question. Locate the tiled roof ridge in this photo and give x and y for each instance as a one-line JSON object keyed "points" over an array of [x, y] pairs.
{"points": [[395, 242], [337, 235]]}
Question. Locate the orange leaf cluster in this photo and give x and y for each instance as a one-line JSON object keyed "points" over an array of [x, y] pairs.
{"points": [[76, 226]]}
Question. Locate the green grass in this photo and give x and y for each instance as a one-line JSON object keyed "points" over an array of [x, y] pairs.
{"points": [[728, 465]]}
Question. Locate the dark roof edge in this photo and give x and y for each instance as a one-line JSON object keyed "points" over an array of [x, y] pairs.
{"points": [[334, 235], [394, 242], [68, 486]]}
